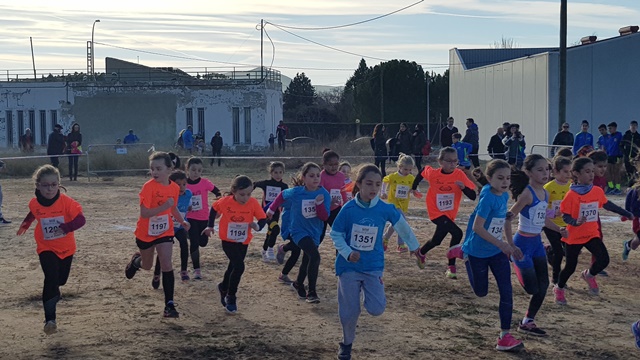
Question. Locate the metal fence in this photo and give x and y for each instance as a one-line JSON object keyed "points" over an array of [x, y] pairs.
{"points": [[128, 157]]}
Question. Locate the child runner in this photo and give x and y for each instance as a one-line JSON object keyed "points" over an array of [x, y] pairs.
{"points": [[557, 189], [271, 189], [600, 168], [446, 186], [309, 209], [154, 230], [580, 211], [345, 168], [333, 181], [236, 221], [395, 188], [184, 204], [356, 235], [58, 216], [484, 247], [531, 205], [632, 204], [463, 150], [289, 246], [199, 213]]}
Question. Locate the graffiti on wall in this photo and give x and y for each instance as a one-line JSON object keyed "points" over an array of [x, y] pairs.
{"points": [[11, 98]]}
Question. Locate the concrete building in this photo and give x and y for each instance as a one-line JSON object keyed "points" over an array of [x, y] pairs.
{"points": [[155, 102], [522, 86]]}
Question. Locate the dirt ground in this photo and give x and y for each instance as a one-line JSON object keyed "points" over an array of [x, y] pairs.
{"points": [[103, 315]]}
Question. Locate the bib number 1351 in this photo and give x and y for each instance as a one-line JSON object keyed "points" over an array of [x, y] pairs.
{"points": [[363, 238]]}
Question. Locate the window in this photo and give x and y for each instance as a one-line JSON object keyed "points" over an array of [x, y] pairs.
{"points": [[236, 125], [201, 121], [247, 125], [43, 127], [190, 117], [54, 118], [20, 123], [9, 128], [32, 123]]}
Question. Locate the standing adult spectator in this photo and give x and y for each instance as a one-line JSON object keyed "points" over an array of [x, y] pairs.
{"points": [[496, 148], [447, 132], [26, 141], [583, 138], [131, 138], [472, 136], [515, 145], [379, 146], [418, 142], [187, 139], [630, 145], [74, 149], [216, 147], [614, 154], [603, 139], [563, 137], [55, 144], [403, 140], [281, 133]]}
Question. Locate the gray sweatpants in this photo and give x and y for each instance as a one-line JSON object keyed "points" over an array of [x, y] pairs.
{"points": [[350, 285]]}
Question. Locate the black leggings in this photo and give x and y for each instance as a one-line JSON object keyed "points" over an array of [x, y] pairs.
{"points": [[332, 217], [380, 162], [181, 235], [557, 247], [236, 252], [293, 258], [310, 263], [596, 248], [272, 232], [197, 240], [56, 272], [535, 281], [73, 167], [444, 226]]}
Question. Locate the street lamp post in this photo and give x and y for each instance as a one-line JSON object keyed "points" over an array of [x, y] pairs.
{"points": [[93, 52]]}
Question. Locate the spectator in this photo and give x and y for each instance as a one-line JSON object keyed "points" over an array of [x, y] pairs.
{"points": [[379, 147], [496, 147], [26, 141], [563, 137], [187, 139], [505, 127], [74, 149], [216, 147], [55, 144], [447, 132], [615, 159], [403, 140], [281, 133], [418, 142], [582, 138], [630, 145], [515, 147], [472, 136], [131, 138], [603, 140], [272, 142]]}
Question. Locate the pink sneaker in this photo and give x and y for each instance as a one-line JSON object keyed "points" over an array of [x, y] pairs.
{"points": [[455, 252], [559, 294], [451, 272], [420, 258], [403, 248], [508, 343], [591, 281]]}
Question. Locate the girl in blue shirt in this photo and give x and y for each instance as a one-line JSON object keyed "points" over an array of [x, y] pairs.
{"points": [[484, 247], [357, 236]]}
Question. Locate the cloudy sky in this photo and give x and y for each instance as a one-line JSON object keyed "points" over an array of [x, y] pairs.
{"points": [[219, 35]]}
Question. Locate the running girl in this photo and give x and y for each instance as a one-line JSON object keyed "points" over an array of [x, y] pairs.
{"points": [[58, 216], [271, 189], [484, 247], [236, 221], [199, 213], [395, 188], [345, 168], [333, 181], [632, 204], [446, 186], [309, 209], [580, 211], [154, 230], [356, 235], [557, 189]]}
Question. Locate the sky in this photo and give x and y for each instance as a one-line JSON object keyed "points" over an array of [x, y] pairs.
{"points": [[217, 35]]}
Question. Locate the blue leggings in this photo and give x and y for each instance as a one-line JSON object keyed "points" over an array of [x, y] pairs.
{"points": [[478, 271], [532, 271]]}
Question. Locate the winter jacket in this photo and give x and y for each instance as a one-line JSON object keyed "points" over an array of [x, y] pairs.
{"points": [[496, 148], [630, 144], [403, 142], [515, 147], [445, 136], [472, 136], [582, 139], [418, 141]]}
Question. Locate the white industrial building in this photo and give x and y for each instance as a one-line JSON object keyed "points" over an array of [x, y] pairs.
{"points": [[521, 85]]}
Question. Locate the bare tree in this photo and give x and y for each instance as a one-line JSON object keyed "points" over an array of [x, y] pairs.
{"points": [[504, 43]]}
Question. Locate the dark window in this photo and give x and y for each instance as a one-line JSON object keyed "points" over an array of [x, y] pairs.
{"points": [[9, 128], [190, 117], [20, 123], [247, 125], [54, 118], [43, 127], [236, 125], [32, 123], [201, 121]]}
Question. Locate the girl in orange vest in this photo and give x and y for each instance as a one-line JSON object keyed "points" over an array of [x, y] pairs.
{"points": [[58, 216]]}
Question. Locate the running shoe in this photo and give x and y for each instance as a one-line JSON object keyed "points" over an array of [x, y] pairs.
{"points": [[280, 253], [531, 329], [231, 306], [197, 275], [271, 256], [421, 259], [591, 281], [312, 298], [635, 329], [558, 292], [451, 272], [223, 294], [626, 249], [265, 258], [455, 252], [170, 311], [616, 192], [155, 283], [508, 343], [50, 327], [403, 248], [131, 269], [385, 244], [4, 221], [344, 352], [184, 275], [302, 294], [285, 279]]}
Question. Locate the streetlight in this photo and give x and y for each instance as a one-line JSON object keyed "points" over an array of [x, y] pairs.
{"points": [[93, 52]]}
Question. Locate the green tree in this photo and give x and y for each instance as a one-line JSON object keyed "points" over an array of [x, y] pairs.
{"points": [[300, 92], [438, 99]]}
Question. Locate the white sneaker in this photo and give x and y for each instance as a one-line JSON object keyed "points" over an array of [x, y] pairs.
{"points": [[265, 257], [50, 327], [271, 255]]}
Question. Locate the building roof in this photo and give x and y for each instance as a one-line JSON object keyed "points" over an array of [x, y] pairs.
{"points": [[475, 58]]}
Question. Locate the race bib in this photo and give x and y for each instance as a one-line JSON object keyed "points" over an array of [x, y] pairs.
{"points": [[51, 227], [556, 208], [196, 202], [445, 201], [402, 192], [309, 208], [237, 232], [121, 151], [363, 238], [349, 195], [271, 193], [495, 228], [590, 211], [158, 225], [336, 194], [175, 221], [538, 215]]}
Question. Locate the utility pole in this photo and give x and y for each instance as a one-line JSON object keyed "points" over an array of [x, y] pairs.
{"points": [[33, 60], [381, 93], [428, 104], [562, 99], [261, 49]]}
